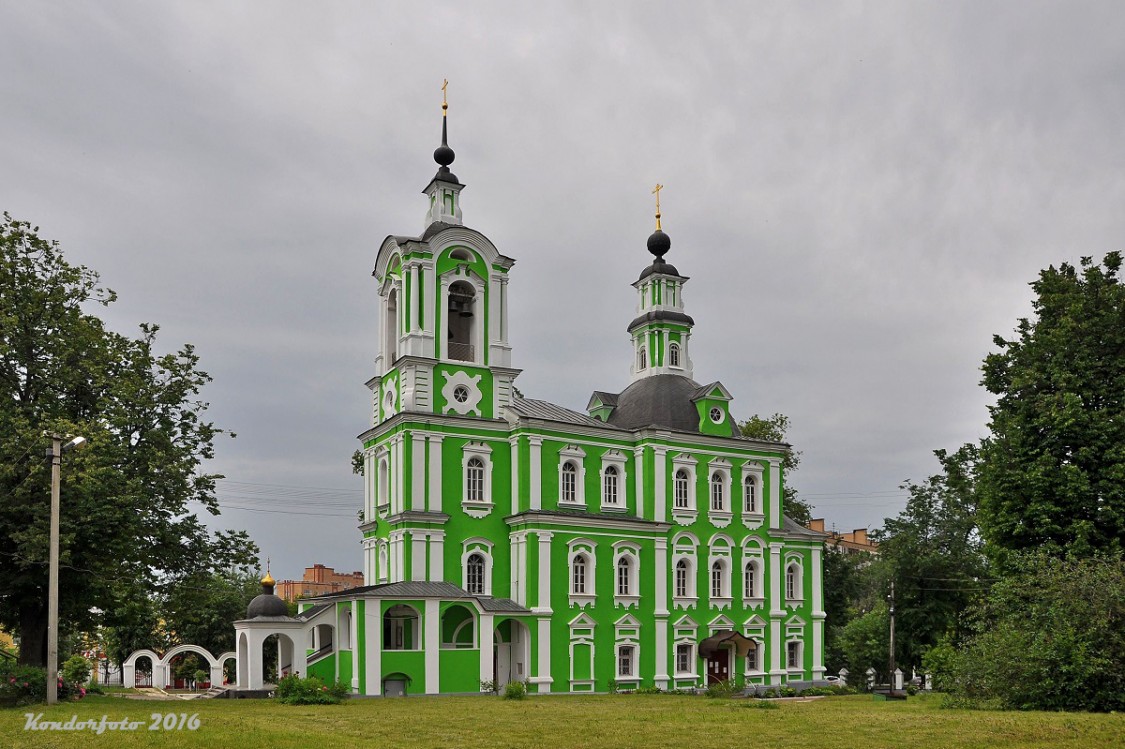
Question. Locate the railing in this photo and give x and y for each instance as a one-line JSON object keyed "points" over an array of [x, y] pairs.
{"points": [[326, 650], [461, 351]]}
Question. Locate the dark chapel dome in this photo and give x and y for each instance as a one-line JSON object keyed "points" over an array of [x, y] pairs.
{"points": [[267, 604], [663, 400]]}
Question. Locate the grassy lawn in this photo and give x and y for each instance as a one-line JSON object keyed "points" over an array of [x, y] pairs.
{"points": [[612, 721]]}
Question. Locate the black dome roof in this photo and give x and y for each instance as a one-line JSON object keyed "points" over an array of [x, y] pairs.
{"points": [[266, 604], [662, 400]]}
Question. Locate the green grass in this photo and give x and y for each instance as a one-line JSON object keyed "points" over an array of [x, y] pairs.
{"points": [[610, 721]]}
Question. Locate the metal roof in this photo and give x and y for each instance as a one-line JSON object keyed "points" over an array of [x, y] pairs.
{"points": [[536, 409]]}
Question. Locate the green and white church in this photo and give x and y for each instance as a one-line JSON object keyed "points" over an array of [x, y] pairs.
{"points": [[641, 543]]}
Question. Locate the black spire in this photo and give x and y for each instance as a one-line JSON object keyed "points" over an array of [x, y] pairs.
{"points": [[444, 154]]}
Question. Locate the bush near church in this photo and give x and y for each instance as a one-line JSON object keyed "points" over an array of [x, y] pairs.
{"points": [[27, 685], [294, 690]]}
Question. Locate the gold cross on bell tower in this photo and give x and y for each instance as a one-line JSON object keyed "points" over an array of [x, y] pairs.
{"points": [[444, 102], [656, 191]]}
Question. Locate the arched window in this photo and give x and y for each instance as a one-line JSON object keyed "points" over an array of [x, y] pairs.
{"points": [[624, 577], [718, 496], [611, 485], [749, 581], [474, 480], [568, 492], [793, 582], [383, 572], [474, 574], [461, 322], [642, 358], [683, 575], [390, 334], [750, 494], [673, 355], [681, 489], [717, 580], [578, 576], [383, 483]]}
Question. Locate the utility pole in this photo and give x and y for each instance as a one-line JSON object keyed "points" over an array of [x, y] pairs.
{"points": [[891, 666], [54, 452]]}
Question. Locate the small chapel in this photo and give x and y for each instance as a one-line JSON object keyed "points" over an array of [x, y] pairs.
{"points": [[642, 542]]}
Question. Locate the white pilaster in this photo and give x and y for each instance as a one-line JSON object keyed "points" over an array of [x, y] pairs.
{"points": [[639, 481], [435, 473], [660, 490], [543, 669], [431, 294], [661, 651], [418, 472], [775, 495], [437, 556], [487, 641], [373, 621], [818, 616], [515, 443], [544, 605], [417, 555], [415, 306], [431, 644], [354, 634], [535, 465], [661, 575], [777, 611]]}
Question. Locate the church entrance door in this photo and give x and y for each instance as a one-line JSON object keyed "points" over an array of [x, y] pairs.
{"points": [[718, 666]]}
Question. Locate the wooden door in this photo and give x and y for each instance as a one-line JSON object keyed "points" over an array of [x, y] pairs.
{"points": [[718, 666]]}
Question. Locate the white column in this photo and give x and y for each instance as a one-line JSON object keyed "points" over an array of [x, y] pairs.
{"points": [[414, 295], [432, 643], [818, 616], [418, 472], [519, 568], [443, 347], [515, 443], [373, 620], [353, 632], [661, 653], [487, 648], [431, 297], [661, 576], [777, 611], [435, 473], [397, 445], [417, 555], [437, 556], [543, 669], [504, 309], [535, 464], [660, 500], [544, 598], [639, 481], [775, 495]]}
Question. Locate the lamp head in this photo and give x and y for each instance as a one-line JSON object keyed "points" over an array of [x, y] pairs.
{"points": [[74, 444]]}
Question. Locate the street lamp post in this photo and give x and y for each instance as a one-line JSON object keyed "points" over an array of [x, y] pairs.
{"points": [[54, 452]]}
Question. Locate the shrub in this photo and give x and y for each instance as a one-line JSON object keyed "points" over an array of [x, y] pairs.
{"points": [[515, 690], [25, 685], [76, 670], [294, 690], [648, 690], [787, 692], [721, 689], [487, 685], [612, 686]]}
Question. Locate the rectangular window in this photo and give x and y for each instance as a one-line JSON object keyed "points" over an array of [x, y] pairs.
{"points": [[681, 490], [624, 587], [793, 655], [754, 657], [718, 501], [625, 660], [683, 659]]}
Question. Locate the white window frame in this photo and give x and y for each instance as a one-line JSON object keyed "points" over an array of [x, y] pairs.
{"points": [[382, 562], [634, 652], [616, 460], [719, 469], [684, 548], [630, 553], [675, 357], [686, 463], [582, 634], [588, 549], [721, 553], [799, 668], [482, 547], [481, 451], [794, 595], [754, 595], [576, 456], [382, 481], [753, 472]]}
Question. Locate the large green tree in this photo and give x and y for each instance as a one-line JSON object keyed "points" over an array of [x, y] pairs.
{"points": [[773, 429], [126, 527], [1052, 471], [932, 551]]}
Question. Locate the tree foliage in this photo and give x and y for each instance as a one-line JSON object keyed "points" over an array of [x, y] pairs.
{"points": [[126, 527], [1053, 469], [1049, 636], [773, 429]]}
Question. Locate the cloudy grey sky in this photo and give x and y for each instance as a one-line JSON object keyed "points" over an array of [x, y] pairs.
{"points": [[860, 192]]}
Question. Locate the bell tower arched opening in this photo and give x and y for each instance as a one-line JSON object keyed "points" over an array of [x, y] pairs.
{"points": [[462, 321]]}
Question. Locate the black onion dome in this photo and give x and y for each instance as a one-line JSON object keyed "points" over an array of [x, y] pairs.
{"points": [[659, 266], [444, 155], [659, 244], [266, 604], [658, 400]]}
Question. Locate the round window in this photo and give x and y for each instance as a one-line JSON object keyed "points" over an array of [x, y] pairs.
{"points": [[460, 394], [717, 415]]}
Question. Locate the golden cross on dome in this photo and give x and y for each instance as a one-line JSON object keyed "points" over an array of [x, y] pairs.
{"points": [[444, 103], [656, 191]]}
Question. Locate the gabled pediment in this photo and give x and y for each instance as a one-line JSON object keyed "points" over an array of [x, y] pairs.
{"points": [[627, 621], [582, 620], [721, 622], [686, 621]]}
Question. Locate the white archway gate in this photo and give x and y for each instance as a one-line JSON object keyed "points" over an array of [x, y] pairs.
{"points": [[160, 665]]}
